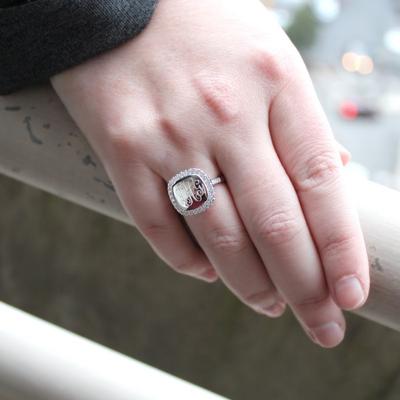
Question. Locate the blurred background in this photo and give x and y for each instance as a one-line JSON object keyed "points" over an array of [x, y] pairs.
{"points": [[352, 50], [100, 279]]}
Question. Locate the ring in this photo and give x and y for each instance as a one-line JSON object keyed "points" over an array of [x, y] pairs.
{"points": [[192, 191]]}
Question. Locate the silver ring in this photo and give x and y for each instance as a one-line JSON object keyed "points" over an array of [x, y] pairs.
{"points": [[192, 191]]}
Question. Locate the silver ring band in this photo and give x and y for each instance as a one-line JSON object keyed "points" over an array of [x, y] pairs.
{"points": [[191, 191], [218, 180]]}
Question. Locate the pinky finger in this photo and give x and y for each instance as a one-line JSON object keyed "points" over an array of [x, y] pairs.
{"points": [[162, 227]]}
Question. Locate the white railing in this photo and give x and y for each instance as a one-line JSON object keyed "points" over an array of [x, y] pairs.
{"points": [[41, 145], [40, 361]]}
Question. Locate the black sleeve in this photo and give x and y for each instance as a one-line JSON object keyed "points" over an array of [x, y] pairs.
{"points": [[40, 38]]}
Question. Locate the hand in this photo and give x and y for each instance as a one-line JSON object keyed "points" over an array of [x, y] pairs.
{"points": [[217, 85]]}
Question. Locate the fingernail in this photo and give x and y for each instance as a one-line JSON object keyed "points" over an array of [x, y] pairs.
{"points": [[274, 311], [209, 275], [345, 154], [349, 293], [327, 335]]}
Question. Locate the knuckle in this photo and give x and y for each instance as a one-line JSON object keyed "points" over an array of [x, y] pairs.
{"points": [[313, 302], [115, 123], [124, 147], [126, 135], [272, 66], [228, 240], [318, 170], [278, 227], [337, 243], [220, 97], [171, 130], [155, 231]]}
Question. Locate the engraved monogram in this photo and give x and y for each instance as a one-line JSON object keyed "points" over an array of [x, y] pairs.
{"points": [[190, 191]]}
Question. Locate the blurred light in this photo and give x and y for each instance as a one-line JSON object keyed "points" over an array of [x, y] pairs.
{"points": [[349, 110], [391, 40], [284, 17], [349, 61], [353, 62], [366, 65], [326, 10], [269, 3], [290, 3], [391, 103]]}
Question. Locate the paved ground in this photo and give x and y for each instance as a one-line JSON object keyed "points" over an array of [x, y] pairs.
{"points": [[98, 278]]}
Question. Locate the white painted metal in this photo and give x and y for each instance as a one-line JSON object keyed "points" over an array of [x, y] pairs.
{"points": [[39, 361], [41, 145]]}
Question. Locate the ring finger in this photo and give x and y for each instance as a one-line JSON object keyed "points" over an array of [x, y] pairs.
{"points": [[222, 236]]}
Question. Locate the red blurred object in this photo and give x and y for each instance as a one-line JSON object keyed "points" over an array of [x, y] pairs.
{"points": [[352, 110], [349, 110]]}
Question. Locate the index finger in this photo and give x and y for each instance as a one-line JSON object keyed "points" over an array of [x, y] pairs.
{"points": [[307, 149]]}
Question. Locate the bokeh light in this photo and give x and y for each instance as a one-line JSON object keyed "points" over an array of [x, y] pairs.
{"points": [[353, 62]]}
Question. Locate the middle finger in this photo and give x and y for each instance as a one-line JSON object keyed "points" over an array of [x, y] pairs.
{"points": [[271, 212]]}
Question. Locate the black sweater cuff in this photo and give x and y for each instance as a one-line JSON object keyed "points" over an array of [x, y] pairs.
{"points": [[41, 38]]}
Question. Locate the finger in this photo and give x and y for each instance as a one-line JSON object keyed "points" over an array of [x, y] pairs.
{"points": [[307, 149], [270, 210], [155, 218], [223, 238]]}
